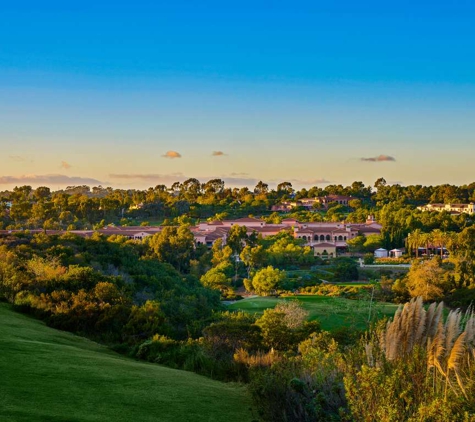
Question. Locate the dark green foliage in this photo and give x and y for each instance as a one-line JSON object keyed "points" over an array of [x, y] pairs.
{"points": [[279, 334], [151, 299], [346, 269], [305, 387], [282, 396], [211, 355], [175, 245], [80, 207], [105, 288], [226, 336], [369, 259]]}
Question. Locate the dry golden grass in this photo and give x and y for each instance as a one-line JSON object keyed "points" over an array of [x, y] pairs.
{"points": [[455, 360], [256, 360], [449, 346]]}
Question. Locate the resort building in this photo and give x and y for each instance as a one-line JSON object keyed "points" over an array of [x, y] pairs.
{"points": [[325, 250], [312, 203], [326, 238], [339, 199], [451, 208]]}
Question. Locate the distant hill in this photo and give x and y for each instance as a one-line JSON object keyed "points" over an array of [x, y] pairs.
{"points": [[50, 375]]}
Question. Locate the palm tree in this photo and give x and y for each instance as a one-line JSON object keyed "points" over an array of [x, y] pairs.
{"points": [[439, 238], [426, 239], [414, 240], [451, 241]]}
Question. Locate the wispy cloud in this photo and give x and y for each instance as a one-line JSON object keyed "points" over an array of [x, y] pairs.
{"points": [[234, 179], [65, 165], [17, 158], [218, 153], [310, 182], [148, 177], [381, 157], [231, 179], [303, 182], [48, 179], [172, 154], [250, 182]]}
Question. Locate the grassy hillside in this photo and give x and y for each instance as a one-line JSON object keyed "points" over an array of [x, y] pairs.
{"points": [[49, 375], [331, 312]]}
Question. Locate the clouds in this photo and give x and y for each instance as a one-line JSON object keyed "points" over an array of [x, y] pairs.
{"points": [[302, 182], [48, 179], [217, 153], [17, 158], [379, 158], [65, 165], [171, 154], [309, 182], [150, 177], [234, 179], [176, 154], [231, 180], [240, 181], [133, 176]]}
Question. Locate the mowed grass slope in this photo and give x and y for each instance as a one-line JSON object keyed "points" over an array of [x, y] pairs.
{"points": [[331, 312], [49, 375]]}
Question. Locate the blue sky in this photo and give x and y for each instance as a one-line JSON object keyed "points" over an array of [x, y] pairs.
{"points": [[101, 91]]}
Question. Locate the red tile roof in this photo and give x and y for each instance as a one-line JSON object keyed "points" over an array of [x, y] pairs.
{"points": [[325, 245], [247, 220]]}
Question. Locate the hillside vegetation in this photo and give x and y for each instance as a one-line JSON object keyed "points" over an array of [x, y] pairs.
{"points": [[331, 312], [49, 375]]}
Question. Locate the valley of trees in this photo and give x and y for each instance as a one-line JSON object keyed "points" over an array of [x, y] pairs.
{"points": [[81, 207], [160, 300]]}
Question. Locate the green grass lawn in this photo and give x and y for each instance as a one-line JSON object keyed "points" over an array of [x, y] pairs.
{"points": [[50, 375], [331, 312]]}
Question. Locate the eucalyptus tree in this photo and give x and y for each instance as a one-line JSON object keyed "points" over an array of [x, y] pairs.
{"points": [[261, 188], [174, 245], [191, 189]]}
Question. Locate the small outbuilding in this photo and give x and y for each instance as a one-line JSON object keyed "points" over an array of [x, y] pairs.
{"points": [[381, 253], [395, 253]]}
